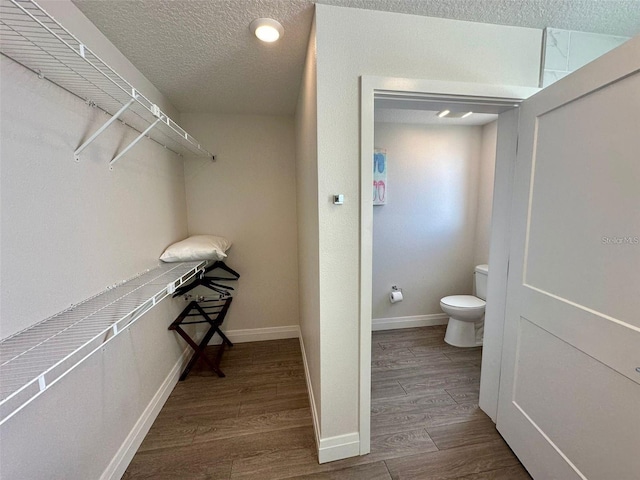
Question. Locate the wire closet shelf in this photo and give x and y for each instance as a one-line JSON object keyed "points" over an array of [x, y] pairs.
{"points": [[31, 37], [36, 358]]}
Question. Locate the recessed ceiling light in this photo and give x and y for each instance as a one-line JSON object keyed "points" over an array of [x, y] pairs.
{"points": [[443, 113], [266, 29], [466, 114]]}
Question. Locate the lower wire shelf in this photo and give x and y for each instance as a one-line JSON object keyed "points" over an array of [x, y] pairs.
{"points": [[34, 359]]}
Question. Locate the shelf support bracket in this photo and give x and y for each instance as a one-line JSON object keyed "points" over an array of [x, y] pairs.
{"points": [[95, 135], [130, 146]]}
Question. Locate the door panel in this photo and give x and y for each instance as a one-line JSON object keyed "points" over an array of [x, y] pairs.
{"points": [[569, 391], [549, 372], [615, 344], [581, 230]]}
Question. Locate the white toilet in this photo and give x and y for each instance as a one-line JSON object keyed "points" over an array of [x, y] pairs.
{"points": [[466, 313]]}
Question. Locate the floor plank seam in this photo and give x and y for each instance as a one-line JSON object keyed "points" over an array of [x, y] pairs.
{"points": [[403, 389], [452, 397], [388, 471]]}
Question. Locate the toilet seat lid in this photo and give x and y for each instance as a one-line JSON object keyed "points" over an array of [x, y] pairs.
{"points": [[463, 301]]}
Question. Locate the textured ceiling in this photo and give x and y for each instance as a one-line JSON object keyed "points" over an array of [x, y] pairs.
{"points": [[203, 57], [613, 17], [201, 54]]}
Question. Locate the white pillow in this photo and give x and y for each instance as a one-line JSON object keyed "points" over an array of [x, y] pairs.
{"points": [[197, 247]]}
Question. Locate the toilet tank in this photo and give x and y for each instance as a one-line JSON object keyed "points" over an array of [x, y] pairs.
{"points": [[480, 281]]}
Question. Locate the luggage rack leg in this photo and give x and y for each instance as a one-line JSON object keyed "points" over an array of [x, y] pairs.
{"points": [[214, 327]]}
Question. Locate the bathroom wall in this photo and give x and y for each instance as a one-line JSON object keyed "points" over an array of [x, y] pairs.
{"points": [[485, 192], [435, 225], [566, 51]]}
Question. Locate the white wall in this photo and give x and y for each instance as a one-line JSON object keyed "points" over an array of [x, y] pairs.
{"points": [[424, 237], [485, 193], [565, 51], [68, 230], [351, 43], [71, 229], [307, 213], [249, 196], [84, 422]]}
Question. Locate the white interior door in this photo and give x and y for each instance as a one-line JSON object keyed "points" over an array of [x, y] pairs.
{"points": [[569, 403]]}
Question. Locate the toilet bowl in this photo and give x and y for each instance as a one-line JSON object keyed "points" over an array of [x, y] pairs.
{"points": [[466, 313]]}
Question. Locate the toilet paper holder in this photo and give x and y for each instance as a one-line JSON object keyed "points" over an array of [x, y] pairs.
{"points": [[396, 294]]}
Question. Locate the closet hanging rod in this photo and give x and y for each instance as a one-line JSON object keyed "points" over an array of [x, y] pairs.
{"points": [[31, 37]]}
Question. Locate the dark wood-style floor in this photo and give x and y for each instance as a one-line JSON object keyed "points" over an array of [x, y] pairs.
{"points": [[256, 422]]}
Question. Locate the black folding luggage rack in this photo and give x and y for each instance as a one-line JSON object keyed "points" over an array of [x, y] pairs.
{"points": [[213, 312]]}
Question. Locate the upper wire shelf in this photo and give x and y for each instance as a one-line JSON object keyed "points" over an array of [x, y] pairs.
{"points": [[36, 358], [31, 37]]}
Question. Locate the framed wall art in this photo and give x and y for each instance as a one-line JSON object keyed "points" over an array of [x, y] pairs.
{"points": [[379, 176]]}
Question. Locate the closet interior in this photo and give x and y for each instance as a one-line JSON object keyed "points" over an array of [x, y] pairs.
{"points": [[35, 358]]}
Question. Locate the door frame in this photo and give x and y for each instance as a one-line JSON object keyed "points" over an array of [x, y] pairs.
{"points": [[442, 90]]}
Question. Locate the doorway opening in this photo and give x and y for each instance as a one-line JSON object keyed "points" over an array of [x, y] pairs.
{"points": [[434, 163], [432, 213], [402, 98]]}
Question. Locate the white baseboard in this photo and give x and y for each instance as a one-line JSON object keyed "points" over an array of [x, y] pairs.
{"points": [[339, 447], [118, 465], [332, 448], [312, 400], [258, 334], [409, 322]]}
